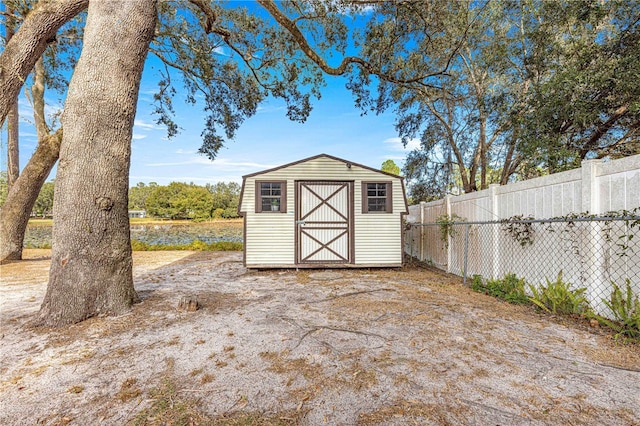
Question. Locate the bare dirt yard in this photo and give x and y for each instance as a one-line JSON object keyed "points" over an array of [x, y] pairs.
{"points": [[310, 347]]}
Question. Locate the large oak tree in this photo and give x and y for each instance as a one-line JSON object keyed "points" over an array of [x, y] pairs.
{"points": [[91, 267], [231, 57]]}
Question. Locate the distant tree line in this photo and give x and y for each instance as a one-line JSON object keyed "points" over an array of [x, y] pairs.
{"points": [[174, 201], [186, 201]]}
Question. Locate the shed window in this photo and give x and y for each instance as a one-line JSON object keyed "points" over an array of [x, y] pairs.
{"points": [[376, 197], [271, 196]]}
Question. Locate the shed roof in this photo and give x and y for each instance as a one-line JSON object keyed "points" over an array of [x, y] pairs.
{"points": [[320, 156]]}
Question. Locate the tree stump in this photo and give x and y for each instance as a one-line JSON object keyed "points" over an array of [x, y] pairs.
{"points": [[188, 304]]}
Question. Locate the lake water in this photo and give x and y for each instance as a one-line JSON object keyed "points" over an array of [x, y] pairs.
{"points": [[170, 234]]}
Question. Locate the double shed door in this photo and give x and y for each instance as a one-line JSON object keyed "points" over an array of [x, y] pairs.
{"points": [[324, 222]]}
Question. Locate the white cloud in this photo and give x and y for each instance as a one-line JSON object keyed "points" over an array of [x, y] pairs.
{"points": [[243, 164], [144, 124], [194, 160], [219, 163], [220, 51], [270, 108], [396, 144], [137, 136], [53, 110], [399, 158], [25, 110]]}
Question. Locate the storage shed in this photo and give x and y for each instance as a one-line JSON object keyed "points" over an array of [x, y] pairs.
{"points": [[322, 212]]}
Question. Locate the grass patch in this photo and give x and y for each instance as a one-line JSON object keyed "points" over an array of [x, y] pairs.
{"points": [[417, 412], [289, 418], [159, 221], [145, 221], [281, 364], [76, 389], [169, 408], [196, 245], [45, 246]]}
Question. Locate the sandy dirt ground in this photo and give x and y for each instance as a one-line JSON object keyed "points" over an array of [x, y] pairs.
{"points": [[341, 347]]}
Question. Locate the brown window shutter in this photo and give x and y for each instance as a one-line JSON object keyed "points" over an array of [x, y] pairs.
{"points": [[364, 201], [283, 196], [389, 202], [258, 198]]}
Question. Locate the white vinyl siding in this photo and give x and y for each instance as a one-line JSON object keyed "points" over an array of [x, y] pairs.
{"points": [[269, 239], [378, 239]]}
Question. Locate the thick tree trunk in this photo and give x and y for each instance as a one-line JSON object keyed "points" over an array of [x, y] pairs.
{"points": [[91, 267], [13, 151], [28, 44], [15, 212]]}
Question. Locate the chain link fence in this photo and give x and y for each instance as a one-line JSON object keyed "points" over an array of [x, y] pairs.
{"points": [[590, 252]]}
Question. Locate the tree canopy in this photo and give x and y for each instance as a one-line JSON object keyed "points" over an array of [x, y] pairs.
{"points": [[390, 166], [532, 87]]}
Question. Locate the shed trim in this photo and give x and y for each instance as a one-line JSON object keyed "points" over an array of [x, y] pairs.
{"points": [[304, 160]]}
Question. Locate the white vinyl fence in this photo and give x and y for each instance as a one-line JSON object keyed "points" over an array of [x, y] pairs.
{"points": [[590, 253]]}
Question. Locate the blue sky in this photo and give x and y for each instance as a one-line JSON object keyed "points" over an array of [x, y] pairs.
{"points": [[266, 140]]}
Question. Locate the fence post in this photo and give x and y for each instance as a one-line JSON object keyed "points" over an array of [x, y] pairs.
{"points": [[466, 252], [590, 198], [421, 253], [495, 231], [447, 203], [592, 241]]}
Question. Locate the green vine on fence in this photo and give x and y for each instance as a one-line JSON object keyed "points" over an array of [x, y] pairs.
{"points": [[622, 242], [446, 222], [519, 229]]}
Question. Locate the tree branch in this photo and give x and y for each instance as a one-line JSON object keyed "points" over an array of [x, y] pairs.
{"points": [[28, 44], [341, 69], [354, 293], [210, 18], [11, 16], [602, 129]]}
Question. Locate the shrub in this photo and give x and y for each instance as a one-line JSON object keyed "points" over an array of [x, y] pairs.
{"points": [[626, 310], [557, 297], [510, 288]]}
